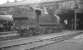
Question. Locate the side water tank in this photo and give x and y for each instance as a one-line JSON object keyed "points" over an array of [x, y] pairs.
{"points": [[48, 19]]}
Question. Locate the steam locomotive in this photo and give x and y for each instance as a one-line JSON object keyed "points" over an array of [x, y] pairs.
{"points": [[42, 24]]}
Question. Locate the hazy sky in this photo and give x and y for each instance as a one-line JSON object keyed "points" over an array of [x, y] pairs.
{"points": [[5, 1], [29, 1]]}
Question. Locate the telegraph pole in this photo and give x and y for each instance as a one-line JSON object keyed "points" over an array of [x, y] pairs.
{"points": [[75, 15], [75, 18]]}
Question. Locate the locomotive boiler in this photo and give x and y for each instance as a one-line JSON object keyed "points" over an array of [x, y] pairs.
{"points": [[6, 23]]}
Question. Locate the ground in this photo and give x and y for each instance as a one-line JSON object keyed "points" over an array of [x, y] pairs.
{"points": [[70, 40], [73, 44]]}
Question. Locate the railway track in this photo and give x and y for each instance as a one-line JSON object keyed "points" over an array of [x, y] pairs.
{"points": [[8, 35], [38, 43]]}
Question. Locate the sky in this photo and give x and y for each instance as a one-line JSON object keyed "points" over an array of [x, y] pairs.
{"points": [[25, 1], [5, 1], [31, 1]]}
